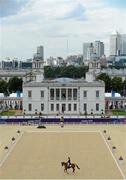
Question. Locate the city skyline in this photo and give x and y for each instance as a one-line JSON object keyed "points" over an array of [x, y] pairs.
{"points": [[61, 26]]}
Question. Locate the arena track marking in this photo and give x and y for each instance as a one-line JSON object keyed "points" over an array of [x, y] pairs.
{"points": [[71, 131], [11, 149], [60, 131], [113, 156], [63, 131], [62, 179]]}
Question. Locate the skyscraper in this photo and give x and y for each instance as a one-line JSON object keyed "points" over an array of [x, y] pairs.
{"points": [[40, 53], [87, 50], [115, 44], [90, 52], [123, 44], [99, 48]]}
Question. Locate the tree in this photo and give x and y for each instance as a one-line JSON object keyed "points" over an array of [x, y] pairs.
{"points": [[65, 71], [124, 88], [3, 86], [15, 84], [49, 72], [117, 84], [107, 80]]}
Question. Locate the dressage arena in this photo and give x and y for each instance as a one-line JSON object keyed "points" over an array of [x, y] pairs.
{"points": [[37, 153]]}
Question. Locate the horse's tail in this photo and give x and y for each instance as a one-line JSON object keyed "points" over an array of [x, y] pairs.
{"points": [[77, 166]]}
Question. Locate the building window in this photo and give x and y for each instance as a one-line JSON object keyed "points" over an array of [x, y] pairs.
{"points": [[75, 107], [97, 107], [29, 94], [63, 108], [74, 94], [97, 94], [52, 94], [57, 107], [42, 94], [57, 94], [85, 106], [69, 107], [85, 94], [30, 107], [63, 94], [52, 107], [69, 94], [42, 107]]}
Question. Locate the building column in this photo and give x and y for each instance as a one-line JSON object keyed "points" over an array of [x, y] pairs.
{"points": [[54, 94], [72, 94], [67, 94], [60, 94]]}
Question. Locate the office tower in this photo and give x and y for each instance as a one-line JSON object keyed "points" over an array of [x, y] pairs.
{"points": [[99, 48], [123, 44], [40, 53], [90, 52], [87, 50], [115, 44]]}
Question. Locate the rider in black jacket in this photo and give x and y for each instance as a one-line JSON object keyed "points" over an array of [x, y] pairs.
{"points": [[69, 162]]}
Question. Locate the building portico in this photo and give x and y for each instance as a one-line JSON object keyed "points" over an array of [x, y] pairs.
{"points": [[64, 95]]}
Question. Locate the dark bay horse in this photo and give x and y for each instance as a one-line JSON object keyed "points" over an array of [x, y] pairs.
{"points": [[73, 165]]}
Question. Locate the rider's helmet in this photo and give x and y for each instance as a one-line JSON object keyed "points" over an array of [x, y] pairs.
{"points": [[69, 158]]}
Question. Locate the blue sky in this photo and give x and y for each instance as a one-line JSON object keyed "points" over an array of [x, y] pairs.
{"points": [[11, 7], [26, 24], [117, 3]]}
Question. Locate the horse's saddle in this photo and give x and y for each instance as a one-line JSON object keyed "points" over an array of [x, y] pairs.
{"points": [[68, 165]]}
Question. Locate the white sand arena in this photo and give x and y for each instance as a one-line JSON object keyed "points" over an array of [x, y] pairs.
{"points": [[39, 152]]}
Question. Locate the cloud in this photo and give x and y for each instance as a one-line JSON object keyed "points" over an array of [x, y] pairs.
{"points": [[11, 7], [77, 12], [52, 22], [63, 9]]}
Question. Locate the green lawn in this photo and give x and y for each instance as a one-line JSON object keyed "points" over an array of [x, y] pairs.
{"points": [[7, 113], [118, 112], [113, 112]]}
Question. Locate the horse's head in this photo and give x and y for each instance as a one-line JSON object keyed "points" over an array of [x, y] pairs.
{"points": [[62, 163]]}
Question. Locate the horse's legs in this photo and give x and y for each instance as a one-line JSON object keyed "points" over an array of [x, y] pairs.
{"points": [[65, 170], [73, 169]]}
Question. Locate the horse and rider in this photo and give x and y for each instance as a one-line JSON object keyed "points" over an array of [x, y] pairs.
{"points": [[68, 165], [62, 122]]}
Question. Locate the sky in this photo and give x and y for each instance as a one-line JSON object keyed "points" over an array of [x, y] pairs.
{"points": [[61, 26]]}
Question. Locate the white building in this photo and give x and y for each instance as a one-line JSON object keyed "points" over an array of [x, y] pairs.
{"points": [[115, 44], [7, 74], [64, 95], [51, 61], [90, 52], [93, 51], [86, 50]]}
